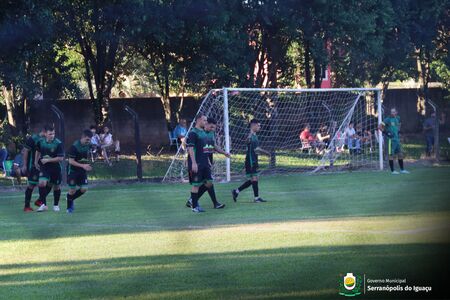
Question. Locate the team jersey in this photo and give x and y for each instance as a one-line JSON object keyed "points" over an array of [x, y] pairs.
{"points": [[197, 140], [31, 145], [80, 153], [392, 127], [252, 144], [210, 144], [50, 150]]}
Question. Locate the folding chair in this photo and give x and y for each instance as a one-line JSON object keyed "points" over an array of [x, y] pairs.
{"points": [[7, 168]]}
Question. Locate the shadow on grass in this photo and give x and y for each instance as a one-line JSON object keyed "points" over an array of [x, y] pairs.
{"points": [[289, 273]]}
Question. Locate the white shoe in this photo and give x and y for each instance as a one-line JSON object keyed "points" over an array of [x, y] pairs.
{"points": [[395, 173], [55, 208], [42, 208], [404, 172]]}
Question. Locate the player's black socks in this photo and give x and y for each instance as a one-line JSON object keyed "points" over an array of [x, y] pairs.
{"points": [[43, 194], [391, 165], [194, 197], [212, 194], [201, 190], [56, 196], [77, 194], [28, 194], [245, 185], [400, 163], [69, 200], [255, 188]]}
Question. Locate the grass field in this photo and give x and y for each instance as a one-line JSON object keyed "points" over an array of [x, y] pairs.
{"points": [[140, 242]]}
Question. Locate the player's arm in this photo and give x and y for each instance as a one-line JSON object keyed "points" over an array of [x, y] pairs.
{"points": [[191, 141], [37, 157], [221, 151], [59, 156], [73, 162], [25, 154], [259, 149]]}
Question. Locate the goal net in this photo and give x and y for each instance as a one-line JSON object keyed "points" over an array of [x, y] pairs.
{"points": [[305, 130]]}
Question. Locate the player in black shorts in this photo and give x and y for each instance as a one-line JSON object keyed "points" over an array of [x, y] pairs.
{"points": [[78, 168], [251, 162], [210, 148], [198, 164], [49, 155], [28, 169]]}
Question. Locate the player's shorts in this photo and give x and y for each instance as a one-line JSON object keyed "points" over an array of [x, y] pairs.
{"points": [[33, 176], [394, 149], [77, 179], [50, 174], [251, 168], [203, 175]]}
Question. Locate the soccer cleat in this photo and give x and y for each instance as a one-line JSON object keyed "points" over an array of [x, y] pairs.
{"points": [[395, 173], [219, 205], [404, 172], [42, 208], [70, 210], [56, 208], [189, 203], [198, 209], [27, 209], [259, 200], [235, 195], [38, 203]]}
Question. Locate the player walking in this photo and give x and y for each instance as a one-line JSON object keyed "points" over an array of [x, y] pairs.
{"points": [[251, 163], [78, 168], [49, 154]]}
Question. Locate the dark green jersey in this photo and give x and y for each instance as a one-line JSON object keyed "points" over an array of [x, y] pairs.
{"points": [[252, 144], [80, 154], [197, 140], [31, 145], [210, 144], [392, 127], [50, 150]]}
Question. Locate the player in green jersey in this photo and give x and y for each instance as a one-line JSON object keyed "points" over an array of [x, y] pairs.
{"points": [[251, 163], [391, 128]]}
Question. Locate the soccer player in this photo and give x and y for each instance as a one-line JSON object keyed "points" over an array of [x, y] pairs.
{"points": [[29, 169], [251, 163], [198, 163], [391, 127], [49, 155], [210, 148], [78, 168]]}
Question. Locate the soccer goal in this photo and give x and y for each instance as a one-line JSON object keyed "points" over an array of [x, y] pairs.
{"points": [[305, 130]]}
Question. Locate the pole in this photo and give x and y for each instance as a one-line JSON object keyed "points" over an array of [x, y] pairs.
{"points": [[137, 141], [62, 135], [226, 129], [380, 134], [436, 130]]}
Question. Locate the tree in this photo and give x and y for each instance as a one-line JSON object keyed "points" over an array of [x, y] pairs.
{"points": [[96, 29]]}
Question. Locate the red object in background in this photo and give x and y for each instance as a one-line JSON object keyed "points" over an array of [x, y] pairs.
{"points": [[326, 80]]}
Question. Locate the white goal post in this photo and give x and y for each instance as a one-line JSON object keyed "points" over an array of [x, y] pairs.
{"points": [[305, 130]]}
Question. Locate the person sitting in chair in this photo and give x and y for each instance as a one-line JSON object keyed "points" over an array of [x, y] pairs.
{"points": [[107, 142], [307, 138], [180, 131]]}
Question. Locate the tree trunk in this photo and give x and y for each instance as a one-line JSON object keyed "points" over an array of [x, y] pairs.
{"points": [[8, 95], [317, 75], [307, 65]]}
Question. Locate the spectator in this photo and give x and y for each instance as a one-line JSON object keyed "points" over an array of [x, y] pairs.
{"points": [[95, 140], [180, 131], [353, 140], [306, 137], [107, 142], [323, 137], [429, 127], [3, 155], [16, 170]]}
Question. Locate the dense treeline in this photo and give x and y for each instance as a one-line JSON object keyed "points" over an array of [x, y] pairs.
{"points": [[60, 48]]}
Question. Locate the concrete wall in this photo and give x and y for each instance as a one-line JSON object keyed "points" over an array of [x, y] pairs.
{"points": [[78, 116]]}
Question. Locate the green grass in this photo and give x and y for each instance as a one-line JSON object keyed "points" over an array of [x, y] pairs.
{"points": [[140, 242]]}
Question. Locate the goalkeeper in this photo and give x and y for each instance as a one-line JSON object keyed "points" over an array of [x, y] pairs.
{"points": [[391, 128], [251, 163]]}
